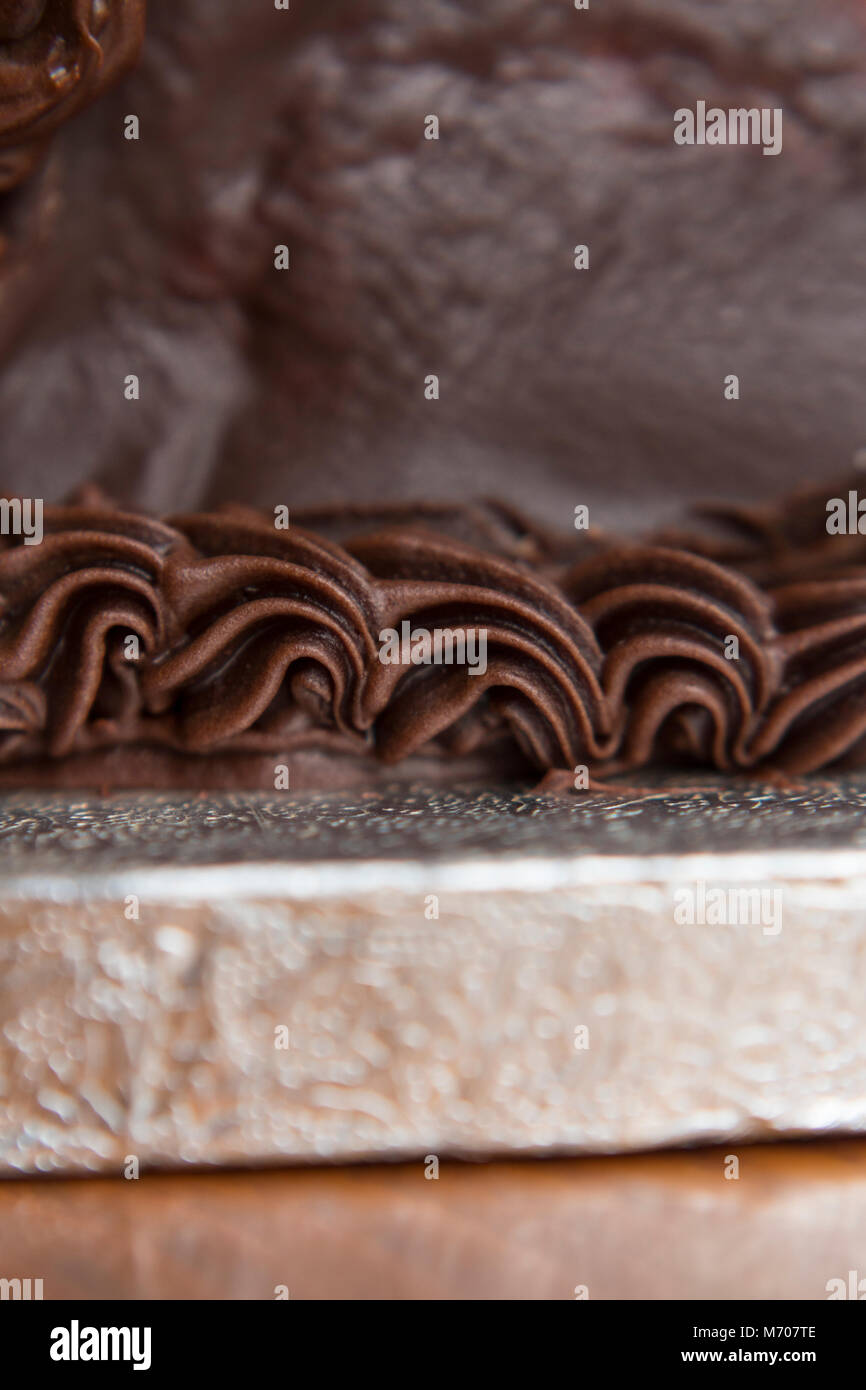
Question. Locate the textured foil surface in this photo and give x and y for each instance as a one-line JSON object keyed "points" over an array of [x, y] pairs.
{"points": [[261, 979]]}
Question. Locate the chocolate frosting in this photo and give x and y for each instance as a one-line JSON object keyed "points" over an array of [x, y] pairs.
{"points": [[304, 128], [260, 647]]}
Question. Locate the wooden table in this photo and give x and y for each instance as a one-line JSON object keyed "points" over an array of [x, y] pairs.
{"points": [[665, 1225]]}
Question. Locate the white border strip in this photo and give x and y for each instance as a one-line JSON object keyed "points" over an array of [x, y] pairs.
{"points": [[330, 879]]}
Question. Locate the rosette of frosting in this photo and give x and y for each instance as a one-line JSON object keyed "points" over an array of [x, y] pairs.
{"points": [[533, 668], [819, 714], [22, 714], [689, 656], [81, 613], [277, 635]]}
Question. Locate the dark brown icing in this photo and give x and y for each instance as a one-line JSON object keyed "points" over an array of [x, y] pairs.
{"points": [[260, 647]]}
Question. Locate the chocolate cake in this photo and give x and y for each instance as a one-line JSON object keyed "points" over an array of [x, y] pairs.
{"points": [[268, 277]]}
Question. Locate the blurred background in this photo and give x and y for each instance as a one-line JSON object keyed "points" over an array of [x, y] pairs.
{"points": [[455, 257]]}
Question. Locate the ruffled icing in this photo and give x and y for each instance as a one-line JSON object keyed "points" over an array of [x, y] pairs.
{"points": [[739, 646]]}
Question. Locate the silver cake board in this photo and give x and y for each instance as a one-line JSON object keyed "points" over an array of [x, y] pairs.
{"points": [[262, 979]]}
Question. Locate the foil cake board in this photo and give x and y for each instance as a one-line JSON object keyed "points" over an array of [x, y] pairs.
{"points": [[261, 979]]}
